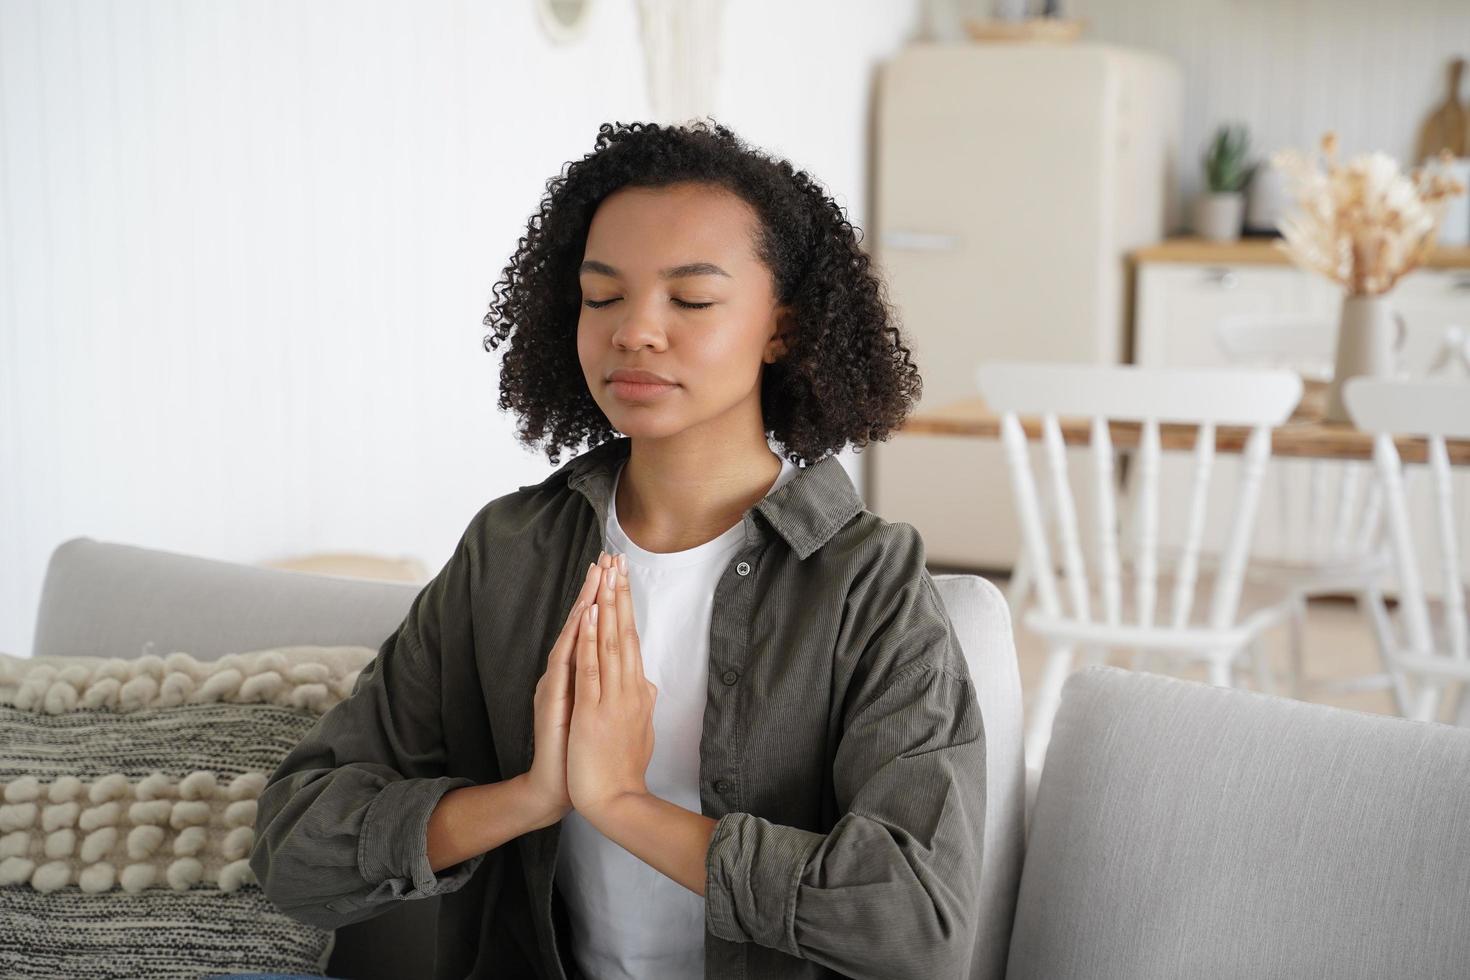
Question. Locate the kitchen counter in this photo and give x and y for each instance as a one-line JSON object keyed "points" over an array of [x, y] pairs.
{"points": [[1263, 250]]}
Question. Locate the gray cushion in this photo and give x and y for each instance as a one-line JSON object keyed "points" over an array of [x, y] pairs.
{"points": [[1186, 830]]}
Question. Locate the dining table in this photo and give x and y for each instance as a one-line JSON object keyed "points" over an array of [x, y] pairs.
{"points": [[1306, 433]]}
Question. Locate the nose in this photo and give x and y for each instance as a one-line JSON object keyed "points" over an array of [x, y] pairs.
{"points": [[639, 328]]}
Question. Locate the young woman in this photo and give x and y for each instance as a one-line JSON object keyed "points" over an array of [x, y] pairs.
{"points": [[684, 708]]}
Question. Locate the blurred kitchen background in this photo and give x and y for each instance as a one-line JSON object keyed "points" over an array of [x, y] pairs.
{"points": [[245, 247]]}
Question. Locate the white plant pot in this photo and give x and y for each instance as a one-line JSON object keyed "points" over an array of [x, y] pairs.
{"points": [[1218, 216]]}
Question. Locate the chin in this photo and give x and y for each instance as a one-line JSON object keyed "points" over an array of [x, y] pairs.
{"points": [[645, 423]]}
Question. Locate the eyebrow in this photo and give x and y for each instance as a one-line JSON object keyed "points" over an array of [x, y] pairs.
{"points": [[677, 272]]}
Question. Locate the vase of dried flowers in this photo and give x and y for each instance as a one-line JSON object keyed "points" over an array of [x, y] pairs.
{"points": [[1364, 225]]}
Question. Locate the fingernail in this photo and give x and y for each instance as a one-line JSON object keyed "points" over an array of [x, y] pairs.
{"points": [[623, 564]]}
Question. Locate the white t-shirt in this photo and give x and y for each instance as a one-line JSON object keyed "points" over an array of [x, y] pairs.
{"points": [[629, 920]]}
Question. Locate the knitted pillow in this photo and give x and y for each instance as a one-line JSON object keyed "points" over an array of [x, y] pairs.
{"points": [[127, 810]]}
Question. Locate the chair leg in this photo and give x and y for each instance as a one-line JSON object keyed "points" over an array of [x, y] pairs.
{"points": [[1262, 665], [1426, 702], [1371, 602], [1044, 704], [1019, 586], [1462, 704], [1296, 638], [1220, 667]]}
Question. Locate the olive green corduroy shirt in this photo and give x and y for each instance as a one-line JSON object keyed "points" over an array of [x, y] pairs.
{"points": [[842, 751]]}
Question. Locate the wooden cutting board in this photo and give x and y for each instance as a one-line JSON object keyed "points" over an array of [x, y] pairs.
{"points": [[1447, 126]]}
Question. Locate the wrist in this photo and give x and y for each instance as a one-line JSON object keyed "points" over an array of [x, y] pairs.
{"points": [[606, 814], [539, 810]]}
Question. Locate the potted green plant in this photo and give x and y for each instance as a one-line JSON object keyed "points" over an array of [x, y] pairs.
{"points": [[1218, 211]]}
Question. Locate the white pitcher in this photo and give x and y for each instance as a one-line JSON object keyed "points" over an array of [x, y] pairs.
{"points": [[1370, 335]]}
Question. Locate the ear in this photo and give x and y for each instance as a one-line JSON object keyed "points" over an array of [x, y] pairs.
{"points": [[785, 319]]}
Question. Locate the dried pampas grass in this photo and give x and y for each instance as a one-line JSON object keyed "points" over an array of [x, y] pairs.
{"points": [[1363, 224]]}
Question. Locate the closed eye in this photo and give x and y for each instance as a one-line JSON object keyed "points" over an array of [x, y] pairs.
{"points": [[598, 304]]}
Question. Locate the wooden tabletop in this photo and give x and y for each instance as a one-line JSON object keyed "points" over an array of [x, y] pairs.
{"points": [[1305, 434], [1264, 250]]}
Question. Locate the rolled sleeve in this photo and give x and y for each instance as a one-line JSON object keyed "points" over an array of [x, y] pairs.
{"points": [[891, 890], [393, 846], [753, 871], [341, 827]]}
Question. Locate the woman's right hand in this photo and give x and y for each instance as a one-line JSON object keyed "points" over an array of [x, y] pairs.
{"points": [[553, 702]]}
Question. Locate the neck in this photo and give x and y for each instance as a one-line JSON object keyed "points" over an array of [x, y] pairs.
{"points": [[677, 493]]}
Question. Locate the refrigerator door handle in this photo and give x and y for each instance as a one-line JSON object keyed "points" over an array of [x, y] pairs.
{"points": [[921, 241]]}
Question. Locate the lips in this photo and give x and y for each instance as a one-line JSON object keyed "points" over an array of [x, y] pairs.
{"points": [[628, 386], [638, 376]]}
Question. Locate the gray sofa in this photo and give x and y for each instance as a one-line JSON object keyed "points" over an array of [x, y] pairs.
{"points": [[1178, 830]]}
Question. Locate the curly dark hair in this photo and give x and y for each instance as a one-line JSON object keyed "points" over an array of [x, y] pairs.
{"points": [[846, 374]]}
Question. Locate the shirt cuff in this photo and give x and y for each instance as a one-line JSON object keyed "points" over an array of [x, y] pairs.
{"points": [[753, 870], [393, 845]]}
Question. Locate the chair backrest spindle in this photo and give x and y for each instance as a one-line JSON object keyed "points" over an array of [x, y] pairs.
{"points": [[1028, 510], [1066, 515], [1188, 568], [1107, 521], [1146, 564], [1232, 566]]}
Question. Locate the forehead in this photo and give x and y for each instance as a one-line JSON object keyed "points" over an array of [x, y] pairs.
{"points": [[641, 229]]}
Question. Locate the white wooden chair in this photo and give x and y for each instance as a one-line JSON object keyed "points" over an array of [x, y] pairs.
{"points": [[1212, 616], [1433, 645], [1321, 533]]}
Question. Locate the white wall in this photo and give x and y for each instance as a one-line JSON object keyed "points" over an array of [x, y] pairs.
{"points": [[245, 250], [1372, 70]]}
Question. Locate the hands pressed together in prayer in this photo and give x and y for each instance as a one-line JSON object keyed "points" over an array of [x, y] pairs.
{"points": [[594, 732]]}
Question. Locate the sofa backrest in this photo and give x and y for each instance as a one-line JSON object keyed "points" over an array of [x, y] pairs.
{"points": [[104, 599], [1186, 830], [108, 599]]}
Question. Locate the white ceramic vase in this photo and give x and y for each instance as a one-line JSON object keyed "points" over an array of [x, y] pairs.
{"points": [[1218, 216], [1370, 334]]}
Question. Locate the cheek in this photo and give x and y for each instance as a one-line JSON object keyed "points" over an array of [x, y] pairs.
{"points": [[585, 344]]}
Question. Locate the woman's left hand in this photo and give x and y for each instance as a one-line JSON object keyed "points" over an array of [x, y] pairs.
{"points": [[611, 739]]}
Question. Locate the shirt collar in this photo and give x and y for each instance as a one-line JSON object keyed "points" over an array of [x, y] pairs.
{"points": [[813, 505]]}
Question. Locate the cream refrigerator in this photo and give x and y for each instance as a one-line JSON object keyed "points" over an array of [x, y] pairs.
{"points": [[1011, 180]]}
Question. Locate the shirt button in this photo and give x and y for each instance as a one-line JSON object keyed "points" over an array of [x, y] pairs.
{"points": [[721, 786], [730, 677], [743, 568]]}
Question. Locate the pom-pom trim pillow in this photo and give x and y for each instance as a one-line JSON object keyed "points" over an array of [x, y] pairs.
{"points": [[128, 791]]}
